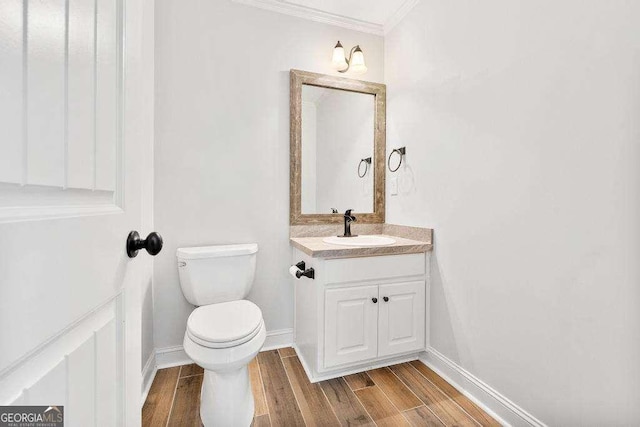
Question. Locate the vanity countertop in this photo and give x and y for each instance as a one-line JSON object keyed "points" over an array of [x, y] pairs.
{"points": [[317, 248]]}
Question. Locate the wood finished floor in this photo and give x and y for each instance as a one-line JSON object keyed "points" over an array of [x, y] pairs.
{"points": [[408, 394]]}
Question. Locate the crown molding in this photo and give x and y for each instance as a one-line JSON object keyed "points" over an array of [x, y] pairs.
{"points": [[399, 15], [287, 8]]}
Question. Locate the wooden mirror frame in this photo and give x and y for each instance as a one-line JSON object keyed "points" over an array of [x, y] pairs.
{"points": [[379, 91]]}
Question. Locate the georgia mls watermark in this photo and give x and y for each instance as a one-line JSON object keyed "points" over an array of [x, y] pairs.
{"points": [[31, 416]]}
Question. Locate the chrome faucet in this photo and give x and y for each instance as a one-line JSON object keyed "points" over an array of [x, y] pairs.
{"points": [[348, 219]]}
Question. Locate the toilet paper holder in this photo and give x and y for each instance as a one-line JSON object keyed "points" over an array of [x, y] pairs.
{"points": [[303, 271]]}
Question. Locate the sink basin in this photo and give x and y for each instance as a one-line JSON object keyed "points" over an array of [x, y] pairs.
{"points": [[364, 240]]}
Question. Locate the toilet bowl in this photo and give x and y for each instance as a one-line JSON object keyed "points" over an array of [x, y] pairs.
{"points": [[225, 332]]}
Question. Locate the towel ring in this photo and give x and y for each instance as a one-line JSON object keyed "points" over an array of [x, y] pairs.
{"points": [[402, 151], [366, 162]]}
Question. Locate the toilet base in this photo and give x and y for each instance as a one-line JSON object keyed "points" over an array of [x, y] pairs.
{"points": [[226, 399]]}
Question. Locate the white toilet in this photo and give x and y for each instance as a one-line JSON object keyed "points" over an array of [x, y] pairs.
{"points": [[225, 332]]}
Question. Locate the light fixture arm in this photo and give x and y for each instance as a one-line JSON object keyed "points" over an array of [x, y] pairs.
{"points": [[353, 49]]}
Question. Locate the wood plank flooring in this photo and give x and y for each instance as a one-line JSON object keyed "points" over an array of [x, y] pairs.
{"points": [[408, 394]]}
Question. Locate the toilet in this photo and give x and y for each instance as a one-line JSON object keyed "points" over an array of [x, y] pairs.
{"points": [[225, 332]]}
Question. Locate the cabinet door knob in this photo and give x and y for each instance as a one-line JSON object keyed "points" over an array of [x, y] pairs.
{"points": [[386, 299], [375, 300]]}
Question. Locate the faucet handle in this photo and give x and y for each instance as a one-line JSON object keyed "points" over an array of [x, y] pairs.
{"points": [[348, 215]]}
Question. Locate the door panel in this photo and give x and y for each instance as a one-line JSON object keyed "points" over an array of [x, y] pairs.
{"points": [[350, 325], [71, 369], [45, 93], [80, 96], [11, 51], [106, 98], [54, 272], [401, 318]]}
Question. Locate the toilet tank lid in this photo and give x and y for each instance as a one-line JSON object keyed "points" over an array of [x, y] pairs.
{"points": [[217, 251]]}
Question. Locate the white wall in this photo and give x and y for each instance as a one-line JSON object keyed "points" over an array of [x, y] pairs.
{"points": [[522, 126], [222, 140]]}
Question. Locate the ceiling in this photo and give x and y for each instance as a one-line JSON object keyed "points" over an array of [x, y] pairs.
{"points": [[373, 11], [371, 16]]}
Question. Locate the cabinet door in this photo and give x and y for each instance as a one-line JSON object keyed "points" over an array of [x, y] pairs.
{"points": [[401, 321], [351, 323]]}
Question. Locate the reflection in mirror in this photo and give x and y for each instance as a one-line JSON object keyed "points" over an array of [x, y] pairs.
{"points": [[337, 147]]}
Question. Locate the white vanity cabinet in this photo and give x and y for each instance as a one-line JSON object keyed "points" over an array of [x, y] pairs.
{"points": [[401, 318], [364, 322], [351, 325], [360, 313]]}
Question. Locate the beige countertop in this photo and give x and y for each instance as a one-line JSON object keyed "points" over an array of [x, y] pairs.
{"points": [[317, 248]]}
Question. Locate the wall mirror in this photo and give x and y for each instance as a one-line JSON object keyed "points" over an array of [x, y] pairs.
{"points": [[338, 129]]}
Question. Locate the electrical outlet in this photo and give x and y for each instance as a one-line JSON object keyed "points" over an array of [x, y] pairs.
{"points": [[393, 186]]}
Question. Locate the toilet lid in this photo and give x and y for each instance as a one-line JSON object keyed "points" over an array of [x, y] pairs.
{"points": [[225, 324]]}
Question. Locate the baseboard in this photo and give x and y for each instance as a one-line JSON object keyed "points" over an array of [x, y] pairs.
{"points": [[148, 374], [169, 357], [495, 404], [278, 339]]}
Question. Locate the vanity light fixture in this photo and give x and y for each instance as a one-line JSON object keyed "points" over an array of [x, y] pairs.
{"points": [[355, 63]]}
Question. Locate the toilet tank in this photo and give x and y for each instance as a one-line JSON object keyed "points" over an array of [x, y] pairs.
{"points": [[213, 274]]}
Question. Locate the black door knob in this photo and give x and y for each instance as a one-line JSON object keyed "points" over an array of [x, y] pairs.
{"points": [[386, 299], [375, 300], [152, 244]]}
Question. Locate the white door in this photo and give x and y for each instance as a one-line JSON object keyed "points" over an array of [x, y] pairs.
{"points": [[351, 318], [401, 318], [75, 152]]}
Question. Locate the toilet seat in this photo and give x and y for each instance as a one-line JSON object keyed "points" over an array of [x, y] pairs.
{"points": [[224, 325]]}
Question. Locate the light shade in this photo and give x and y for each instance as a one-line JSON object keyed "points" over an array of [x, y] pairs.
{"points": [[339, 61], [357, 64]]}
